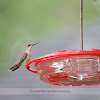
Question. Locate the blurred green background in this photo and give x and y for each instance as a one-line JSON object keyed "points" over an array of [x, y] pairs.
{"points": [[30, 21]]}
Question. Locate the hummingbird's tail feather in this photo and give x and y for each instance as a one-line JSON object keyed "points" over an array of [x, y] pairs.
{"points": [[19, 63], [13, 68]]}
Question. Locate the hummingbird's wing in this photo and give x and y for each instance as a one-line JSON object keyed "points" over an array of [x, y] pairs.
{"points": [[18, 64]]}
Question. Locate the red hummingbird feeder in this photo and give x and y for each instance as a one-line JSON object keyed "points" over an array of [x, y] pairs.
{"points": [[69, 68]]}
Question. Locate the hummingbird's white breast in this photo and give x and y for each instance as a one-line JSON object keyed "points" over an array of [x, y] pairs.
{"points": [[28, 51]]}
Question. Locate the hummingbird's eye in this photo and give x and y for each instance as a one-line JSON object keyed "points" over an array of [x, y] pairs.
{"points": [[28, 45]]}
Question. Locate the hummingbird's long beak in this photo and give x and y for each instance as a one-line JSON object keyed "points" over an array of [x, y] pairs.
{"points": [[35, 44]]}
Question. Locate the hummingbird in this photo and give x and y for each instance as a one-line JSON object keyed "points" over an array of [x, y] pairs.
{"points": [[25, 58]]}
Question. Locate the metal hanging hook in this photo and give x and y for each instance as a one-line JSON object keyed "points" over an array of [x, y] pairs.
{"points": [[81, 22]]}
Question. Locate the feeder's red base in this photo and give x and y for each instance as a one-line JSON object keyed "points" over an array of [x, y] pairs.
{"points": [[61, 80], [69, 68]]}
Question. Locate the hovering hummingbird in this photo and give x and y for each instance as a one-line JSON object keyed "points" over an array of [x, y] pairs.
{"points": [[25, 58]]}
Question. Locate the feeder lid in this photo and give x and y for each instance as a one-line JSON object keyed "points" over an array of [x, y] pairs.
{"points": [[63, 53], [66, 53]]}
